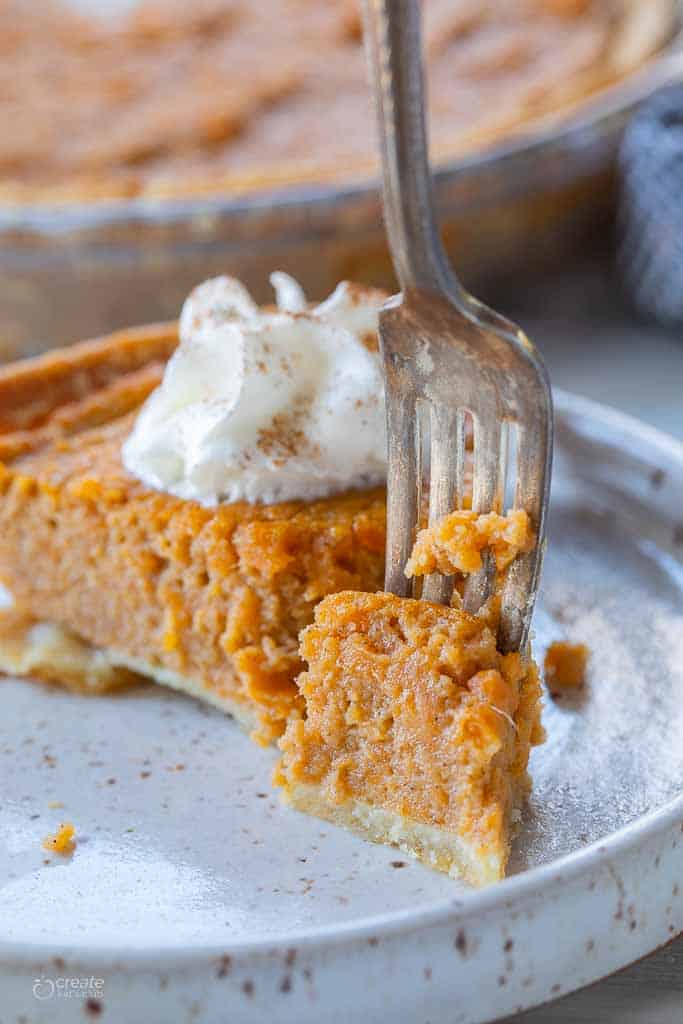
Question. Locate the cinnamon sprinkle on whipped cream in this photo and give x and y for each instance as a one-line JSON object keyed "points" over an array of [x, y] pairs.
{"points": [[266, 405]]}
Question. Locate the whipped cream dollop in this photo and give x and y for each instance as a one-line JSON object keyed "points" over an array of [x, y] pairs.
{"points": [[266, 405]]}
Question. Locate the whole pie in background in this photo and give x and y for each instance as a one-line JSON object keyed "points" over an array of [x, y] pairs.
{"points": [[230, 96]]}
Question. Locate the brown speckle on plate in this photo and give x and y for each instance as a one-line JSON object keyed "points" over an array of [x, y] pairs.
{"points": [[224, 966]]}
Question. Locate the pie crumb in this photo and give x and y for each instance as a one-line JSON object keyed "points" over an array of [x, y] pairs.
{"points": [[455, 543], [62, 841], [564, 667]]}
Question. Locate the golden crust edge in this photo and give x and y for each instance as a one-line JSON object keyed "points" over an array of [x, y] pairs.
{"points": [[437, 848]]}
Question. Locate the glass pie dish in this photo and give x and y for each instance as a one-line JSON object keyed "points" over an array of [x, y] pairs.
{"points": [[75, 269]]}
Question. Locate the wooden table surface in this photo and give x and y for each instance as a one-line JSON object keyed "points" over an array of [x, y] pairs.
{"points": [[595, 346]]}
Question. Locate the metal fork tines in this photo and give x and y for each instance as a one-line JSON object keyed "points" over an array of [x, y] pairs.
{"points": [[447, 357]]}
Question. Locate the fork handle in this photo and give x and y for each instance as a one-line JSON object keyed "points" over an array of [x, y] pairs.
{"points": [[394, 47]]}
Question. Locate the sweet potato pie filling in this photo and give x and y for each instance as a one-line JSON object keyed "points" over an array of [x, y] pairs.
{"points": [[416, 730]]}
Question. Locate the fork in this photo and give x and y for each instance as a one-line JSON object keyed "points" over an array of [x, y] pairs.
{"points": [[448, 358]]}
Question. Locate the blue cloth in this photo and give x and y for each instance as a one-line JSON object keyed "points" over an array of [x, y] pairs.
{"points": [[651, 207]]}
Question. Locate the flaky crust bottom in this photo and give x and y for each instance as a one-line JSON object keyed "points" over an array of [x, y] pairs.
{"points": [[53, 654], [435, 847]]}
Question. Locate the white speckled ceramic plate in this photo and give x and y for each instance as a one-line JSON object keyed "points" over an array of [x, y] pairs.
{"points": [[193, 895]]}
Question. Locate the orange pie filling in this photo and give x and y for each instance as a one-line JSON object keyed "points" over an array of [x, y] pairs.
{"points": [[416, 731]]}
